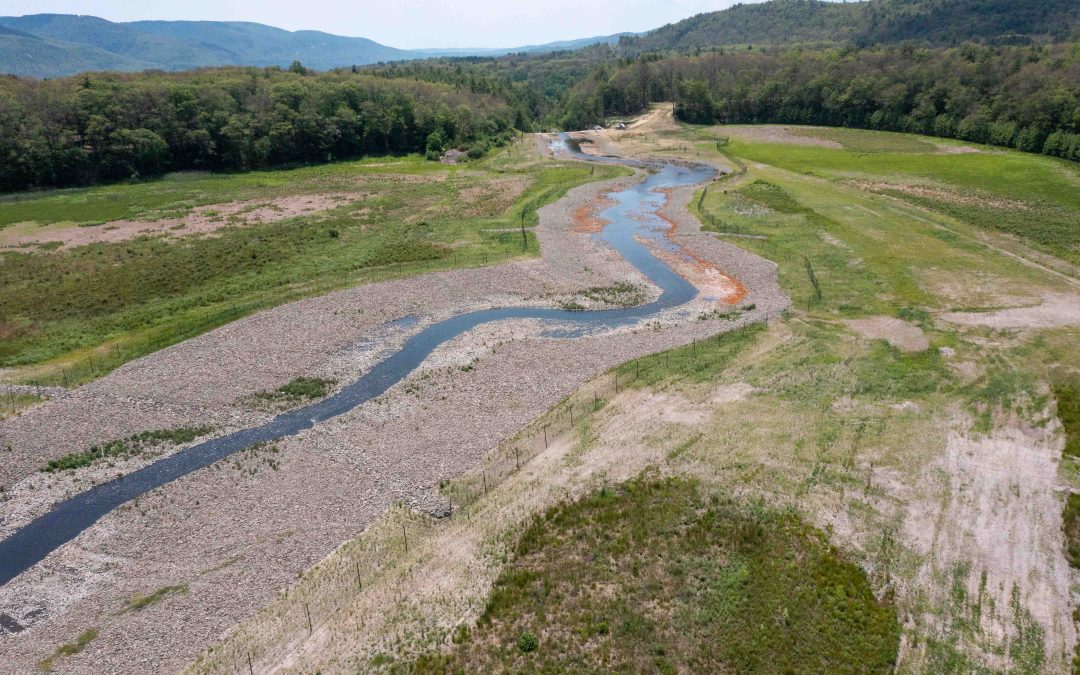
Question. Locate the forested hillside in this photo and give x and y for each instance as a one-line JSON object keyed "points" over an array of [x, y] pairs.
{"points": [[92, 128], [936, 22]]}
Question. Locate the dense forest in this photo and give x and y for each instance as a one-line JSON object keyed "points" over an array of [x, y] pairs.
{"points": [[1022, 97], [102, 127]]}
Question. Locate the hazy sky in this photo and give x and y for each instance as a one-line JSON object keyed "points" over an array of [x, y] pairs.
{"points": [[404, 23]]}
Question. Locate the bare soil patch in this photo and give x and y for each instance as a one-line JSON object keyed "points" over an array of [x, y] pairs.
{"points": [[956, 149], [899, 333], [659, 118], [201, 220], [976, 288], [1056, 310], [986, 523]]}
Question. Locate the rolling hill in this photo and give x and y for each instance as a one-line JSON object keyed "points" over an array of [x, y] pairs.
{"points": [[52, 45]]}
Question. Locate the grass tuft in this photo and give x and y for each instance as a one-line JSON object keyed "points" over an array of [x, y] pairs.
{"points": [[69, 649], [143, 601]]}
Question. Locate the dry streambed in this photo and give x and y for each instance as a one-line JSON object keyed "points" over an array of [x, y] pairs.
{"points": [[236, 533]]}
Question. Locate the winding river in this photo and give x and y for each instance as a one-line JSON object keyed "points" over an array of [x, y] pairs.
{"points": [[633, 216]]}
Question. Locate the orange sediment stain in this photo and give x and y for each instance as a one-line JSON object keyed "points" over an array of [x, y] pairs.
{"points": [[587, 218], [707, 277]]}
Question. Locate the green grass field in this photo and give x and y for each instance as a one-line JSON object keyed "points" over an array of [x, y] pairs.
{"points": [[1028, 196], [70, 315]]}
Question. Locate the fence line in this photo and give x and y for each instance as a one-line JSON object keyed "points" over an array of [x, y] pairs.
{"points": [[307, 607]]}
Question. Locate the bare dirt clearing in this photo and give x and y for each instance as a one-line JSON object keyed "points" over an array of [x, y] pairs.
{"points": [[1056, 310], [968, 198], [201, 220], [988, 517], [768, 133]]}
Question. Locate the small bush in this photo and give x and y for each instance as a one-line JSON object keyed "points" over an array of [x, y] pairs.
{"points": [[1067, 392], [462, 633], [528, 642]]}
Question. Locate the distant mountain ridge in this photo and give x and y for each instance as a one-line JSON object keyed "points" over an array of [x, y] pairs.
{"points": [[937, 22], [53, 45]]}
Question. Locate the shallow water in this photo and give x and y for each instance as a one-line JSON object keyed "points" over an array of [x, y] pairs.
{"points": [[633, 215]]}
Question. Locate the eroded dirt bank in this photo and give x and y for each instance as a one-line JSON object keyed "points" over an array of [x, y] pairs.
{"points": [[233, 535]]}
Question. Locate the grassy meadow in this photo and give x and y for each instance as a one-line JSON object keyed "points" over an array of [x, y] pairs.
{"points": [[71, 314], [1032, 198]]}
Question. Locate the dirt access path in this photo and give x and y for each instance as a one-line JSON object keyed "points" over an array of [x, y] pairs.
{"points": [[232, 536]]}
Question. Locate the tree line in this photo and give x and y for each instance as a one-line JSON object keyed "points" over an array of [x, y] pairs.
{"points": [[102, 127], [1023, 97]]}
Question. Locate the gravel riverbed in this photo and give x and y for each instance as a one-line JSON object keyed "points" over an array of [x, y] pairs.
{"points": [[238, 532]]}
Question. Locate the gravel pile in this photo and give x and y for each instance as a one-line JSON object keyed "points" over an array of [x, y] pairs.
{"points": [[237, 533]]}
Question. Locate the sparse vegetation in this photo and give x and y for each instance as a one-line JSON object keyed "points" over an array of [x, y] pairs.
{"points": [[297, 391], [143, 601], [137, 444], [69, 649], [622, 294], [697, 362], [13, 404]]}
